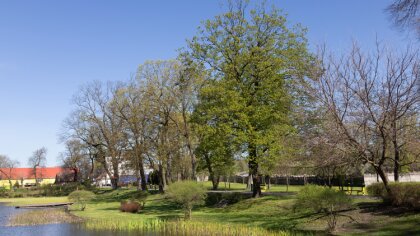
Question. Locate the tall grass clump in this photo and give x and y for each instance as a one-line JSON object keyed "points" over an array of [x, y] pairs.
{"points": [[186, 194], [39, 217], [186, 228]]}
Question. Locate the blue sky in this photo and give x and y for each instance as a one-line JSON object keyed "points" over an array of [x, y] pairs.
{"points": [[48, 49]]}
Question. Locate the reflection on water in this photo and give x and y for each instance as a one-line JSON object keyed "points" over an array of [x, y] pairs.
{"points": [[50, 230]]}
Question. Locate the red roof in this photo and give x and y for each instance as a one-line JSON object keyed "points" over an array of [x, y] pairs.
{"points": [[28, 173]]}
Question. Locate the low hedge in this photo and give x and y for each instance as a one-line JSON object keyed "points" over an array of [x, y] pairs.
{"points": [[402, 194]]}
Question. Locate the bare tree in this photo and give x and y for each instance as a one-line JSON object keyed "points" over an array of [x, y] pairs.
{"points": [[95, 123], [134, 109], [38, 159], [367, 95], [6, 168], [77, 157], [405, 14], [157, 77]]}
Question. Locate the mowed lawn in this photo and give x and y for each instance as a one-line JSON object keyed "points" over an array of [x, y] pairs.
{"points": [[33, 200]]}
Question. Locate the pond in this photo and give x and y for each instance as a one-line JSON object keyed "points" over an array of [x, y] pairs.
{"points": [[51, 229]]}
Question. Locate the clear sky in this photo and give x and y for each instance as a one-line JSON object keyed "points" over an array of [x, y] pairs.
{"points": [[48, 49]]}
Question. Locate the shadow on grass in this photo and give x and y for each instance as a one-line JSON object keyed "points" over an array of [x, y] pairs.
{"points": [[401, 227], [378, 208]]}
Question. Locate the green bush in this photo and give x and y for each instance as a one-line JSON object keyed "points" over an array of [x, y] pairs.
{"points": [[402, 194], [376, 190], [186, 194], [63, 189], [81, 197], [323, 200]]}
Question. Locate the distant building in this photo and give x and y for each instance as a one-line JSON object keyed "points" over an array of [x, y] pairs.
{"points": [[25, 177]]}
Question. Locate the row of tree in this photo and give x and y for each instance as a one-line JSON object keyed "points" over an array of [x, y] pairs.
{"points": [[247, 88]]}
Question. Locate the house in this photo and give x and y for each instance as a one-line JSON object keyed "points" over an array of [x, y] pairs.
{"points": [[26, 176]]}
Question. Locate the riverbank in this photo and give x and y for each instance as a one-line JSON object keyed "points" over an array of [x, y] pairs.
{"points": [[270, 213]]}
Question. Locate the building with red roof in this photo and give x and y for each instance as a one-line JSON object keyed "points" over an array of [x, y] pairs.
{"points": [[26, 176]]}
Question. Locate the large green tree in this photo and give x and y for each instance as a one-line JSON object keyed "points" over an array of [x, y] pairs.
{"points": [[254, 55], [214, 125]]}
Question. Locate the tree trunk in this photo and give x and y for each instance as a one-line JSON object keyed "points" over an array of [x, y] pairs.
{"points": [[143, 179], [168, 172], [36, 179], [92, 169], [161, 179], [75, 177], [114, 182], [215, 180], [253, 168], [396, 163], [384, 178], [116, 176]]}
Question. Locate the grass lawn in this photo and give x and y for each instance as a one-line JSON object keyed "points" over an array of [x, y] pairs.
{"points": [[271, 213], [242, 187], [33, 200]]}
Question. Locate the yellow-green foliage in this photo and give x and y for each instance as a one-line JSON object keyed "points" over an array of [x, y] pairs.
{"points": [[322, 199], [186, 194], [180, 228]]}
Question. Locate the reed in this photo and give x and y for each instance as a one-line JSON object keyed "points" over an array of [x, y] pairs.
{"points": [[39, 217], [181, 228]]}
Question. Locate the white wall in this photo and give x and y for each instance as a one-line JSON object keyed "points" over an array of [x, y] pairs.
{"points": [[408, 177]]}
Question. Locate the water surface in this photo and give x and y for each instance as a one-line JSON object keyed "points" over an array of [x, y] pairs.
{"points": [[51, 229]]}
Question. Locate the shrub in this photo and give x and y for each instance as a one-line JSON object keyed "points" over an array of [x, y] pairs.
{"points": [[4, 192], [326, 201], [132, 206], [186, 194], [81, 197], [215, 198], [403, 194], [376, 189]]}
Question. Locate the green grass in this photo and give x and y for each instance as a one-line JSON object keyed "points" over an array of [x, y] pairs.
{"points": [[242, 187], [270, 213], [33, 200]]}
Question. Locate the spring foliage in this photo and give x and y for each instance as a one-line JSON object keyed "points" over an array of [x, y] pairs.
{"points": [[186, 194]]}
